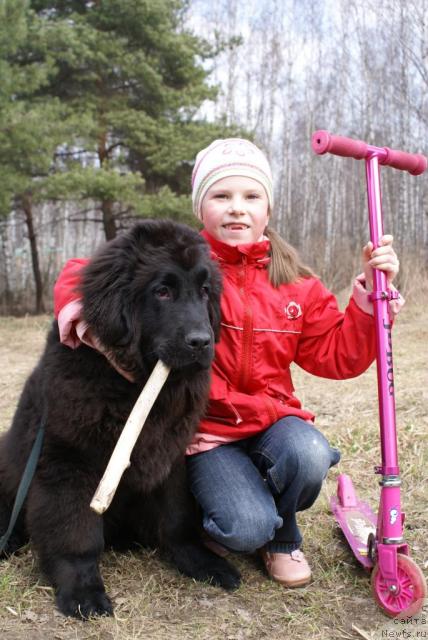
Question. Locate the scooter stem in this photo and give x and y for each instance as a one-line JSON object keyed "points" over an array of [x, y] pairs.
{"points": [[390, 518], [380, 298]]}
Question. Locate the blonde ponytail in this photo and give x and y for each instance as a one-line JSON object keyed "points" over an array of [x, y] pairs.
{"points": [[285, 264]]}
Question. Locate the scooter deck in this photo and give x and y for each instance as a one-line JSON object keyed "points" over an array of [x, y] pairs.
{"points": [[355, 518]]}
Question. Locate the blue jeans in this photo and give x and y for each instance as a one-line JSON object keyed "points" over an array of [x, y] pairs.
{"points": [[250, 490]]}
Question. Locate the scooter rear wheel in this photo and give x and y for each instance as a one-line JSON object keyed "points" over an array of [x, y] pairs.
{"points": [[411, 593]]}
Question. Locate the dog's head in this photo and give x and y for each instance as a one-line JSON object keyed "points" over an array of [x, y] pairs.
{"points": [[154, 293]]}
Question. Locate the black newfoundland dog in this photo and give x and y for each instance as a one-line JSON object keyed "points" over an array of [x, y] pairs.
{"points": [[152, 293]]}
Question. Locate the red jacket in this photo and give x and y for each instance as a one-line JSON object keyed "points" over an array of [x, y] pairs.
{"points": [[263, 330]]}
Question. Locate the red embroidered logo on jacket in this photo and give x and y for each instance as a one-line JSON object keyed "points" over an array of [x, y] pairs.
{"points": [[293, 310]]}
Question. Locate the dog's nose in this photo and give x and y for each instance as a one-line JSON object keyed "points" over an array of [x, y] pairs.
{"points": [[198, 340]]}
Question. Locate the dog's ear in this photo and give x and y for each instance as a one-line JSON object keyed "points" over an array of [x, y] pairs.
{"points": [[214, 300], [104, 287]]}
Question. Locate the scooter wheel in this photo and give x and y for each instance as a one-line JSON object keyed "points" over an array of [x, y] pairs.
{"points": [[411, 593], [371, 547]]}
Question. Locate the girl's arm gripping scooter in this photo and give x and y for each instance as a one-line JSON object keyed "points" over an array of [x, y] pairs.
{"points": [[398, 584]]}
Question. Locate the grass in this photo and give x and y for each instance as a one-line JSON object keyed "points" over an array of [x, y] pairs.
{"points": [[153, 601]]}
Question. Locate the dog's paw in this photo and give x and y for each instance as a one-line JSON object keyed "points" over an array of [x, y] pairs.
{"points": [[84, 603], [16, 541], [14, 544], [200, 563], [223, 574]]}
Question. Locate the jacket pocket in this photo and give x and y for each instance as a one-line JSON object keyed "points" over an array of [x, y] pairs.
{"points": [[220, 408], [281, 388]]}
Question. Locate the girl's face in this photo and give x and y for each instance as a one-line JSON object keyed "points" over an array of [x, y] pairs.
{"points": [[235, 210]]}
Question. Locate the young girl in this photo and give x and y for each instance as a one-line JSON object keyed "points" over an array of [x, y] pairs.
{"points": [[257, 459]]}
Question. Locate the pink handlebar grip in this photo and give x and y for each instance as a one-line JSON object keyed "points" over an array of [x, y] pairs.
{"points": [[414, 163], [325, 142]]}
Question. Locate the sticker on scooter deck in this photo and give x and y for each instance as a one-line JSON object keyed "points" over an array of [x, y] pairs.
{"points": [[357, 523], [360, 526]]}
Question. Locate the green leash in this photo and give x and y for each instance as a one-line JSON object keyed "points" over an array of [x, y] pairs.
{"points": [[24, 485]]}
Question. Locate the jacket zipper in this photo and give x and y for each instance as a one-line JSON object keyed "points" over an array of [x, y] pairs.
{"points": [[247, 333]]}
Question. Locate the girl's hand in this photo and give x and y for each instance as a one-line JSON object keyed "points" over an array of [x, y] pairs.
{"points": [[383, 258]]}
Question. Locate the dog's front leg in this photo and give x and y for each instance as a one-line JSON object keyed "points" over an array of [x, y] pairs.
{"points": [[68, 538]]}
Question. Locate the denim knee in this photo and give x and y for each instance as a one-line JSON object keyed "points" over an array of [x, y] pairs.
{"points": [[249, 527], [307, 460], [316, 458]]}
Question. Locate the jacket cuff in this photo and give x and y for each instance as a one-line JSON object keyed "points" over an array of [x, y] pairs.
{"points": [[72, 327], [361, 297]]}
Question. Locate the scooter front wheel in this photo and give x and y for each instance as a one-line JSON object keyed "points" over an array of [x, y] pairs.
{"points": [[411, 593]]}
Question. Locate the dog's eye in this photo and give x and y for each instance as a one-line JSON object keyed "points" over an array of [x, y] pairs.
{"points": [[205, 291], [162, 292]]}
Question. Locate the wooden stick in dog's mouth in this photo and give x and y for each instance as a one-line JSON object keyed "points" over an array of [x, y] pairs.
{"points": [[120, 458]]}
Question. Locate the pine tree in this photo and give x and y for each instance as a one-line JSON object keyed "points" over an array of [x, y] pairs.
{"points": [[99, 102], [31, 126], [134, 79]]}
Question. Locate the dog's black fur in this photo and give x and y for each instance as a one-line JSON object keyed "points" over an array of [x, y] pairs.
{"points": [[151, 293]]}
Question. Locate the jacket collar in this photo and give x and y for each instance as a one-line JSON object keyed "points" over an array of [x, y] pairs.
{"points": [[255, 252]]}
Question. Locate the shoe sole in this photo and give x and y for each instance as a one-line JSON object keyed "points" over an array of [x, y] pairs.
{"points": [[291, 585]]}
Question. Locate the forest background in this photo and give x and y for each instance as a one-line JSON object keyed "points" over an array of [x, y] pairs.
{"points": [[105, 103]]}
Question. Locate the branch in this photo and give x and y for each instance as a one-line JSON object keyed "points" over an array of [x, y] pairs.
{"points": [[124, 212], [61, 154], [85, 220], [84, 211], [120, 458], [113, 146], [418, 64]]}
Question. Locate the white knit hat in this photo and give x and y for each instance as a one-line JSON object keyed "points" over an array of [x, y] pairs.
{"points": [[229, 157]]}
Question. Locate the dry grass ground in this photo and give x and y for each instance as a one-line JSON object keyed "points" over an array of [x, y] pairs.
{"points": [[152, 601]]}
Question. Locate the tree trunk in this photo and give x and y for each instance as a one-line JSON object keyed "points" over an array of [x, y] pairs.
{"points": [[7, 302], [106, 205], [108, 219], [27, 207]]}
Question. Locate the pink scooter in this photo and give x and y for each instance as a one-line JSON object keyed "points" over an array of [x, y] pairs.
{"points": [[398, 584]]}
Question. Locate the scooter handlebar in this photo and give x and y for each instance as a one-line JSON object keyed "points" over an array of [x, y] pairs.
{"points": [[414, 163], [325, 142]]}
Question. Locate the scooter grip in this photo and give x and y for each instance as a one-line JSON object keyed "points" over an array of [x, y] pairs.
{"points": [[414, 163], [325, 142]]}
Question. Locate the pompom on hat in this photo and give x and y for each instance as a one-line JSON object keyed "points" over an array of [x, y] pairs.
{"points": [[225, 158]]}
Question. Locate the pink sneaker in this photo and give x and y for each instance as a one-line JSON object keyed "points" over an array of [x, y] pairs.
{"points": [[290, 569]]}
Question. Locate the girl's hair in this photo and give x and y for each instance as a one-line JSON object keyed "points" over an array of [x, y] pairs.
{"points": [[285, 264]]}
